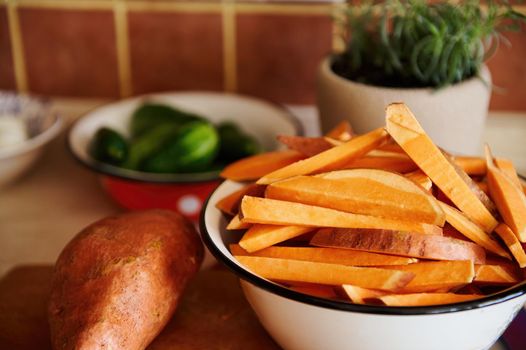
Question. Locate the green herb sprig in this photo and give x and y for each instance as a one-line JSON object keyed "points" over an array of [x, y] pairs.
{"points": [[414, 43]]}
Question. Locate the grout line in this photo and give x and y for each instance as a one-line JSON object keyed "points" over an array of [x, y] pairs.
{"points": [[66, 5], [229, 46], [188, 6], [19, 62], [122, 44], [338, 45], [285, 9]]}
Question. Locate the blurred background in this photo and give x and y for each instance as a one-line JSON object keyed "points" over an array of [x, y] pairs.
{"points": [[119, 48]]}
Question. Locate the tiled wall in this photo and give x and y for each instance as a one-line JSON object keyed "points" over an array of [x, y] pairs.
{"points": [[117, 48]]}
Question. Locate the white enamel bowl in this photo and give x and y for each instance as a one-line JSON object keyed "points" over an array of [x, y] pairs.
{"points": [[42, 127], [301, 322]]}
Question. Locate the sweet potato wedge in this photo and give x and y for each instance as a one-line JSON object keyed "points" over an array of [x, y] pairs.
{"points": [[118, 282], [332, 158], [254, 167], [260, 236], [400, 243], [426, 299], [230, 204], [513, 244], [326, 255], [475, 189], [342, 131], [495, 274], [509, 198], [236, 224], [317, 290], [472, 231], [275, 212], [362, 191], [308, 146], [396, 164], [407, 132], [331, 274], [359, 295], [437, 275], [506, 166], [471, 165], [421, 179]]}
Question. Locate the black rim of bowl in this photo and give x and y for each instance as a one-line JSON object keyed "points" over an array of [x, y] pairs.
{"points": [[500, 297], [139, 176]]}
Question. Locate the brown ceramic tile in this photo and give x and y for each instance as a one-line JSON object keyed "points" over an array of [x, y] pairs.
{"points": [[7, 75], [175, 51], [70, 52], [278, 55], [508, 68]]}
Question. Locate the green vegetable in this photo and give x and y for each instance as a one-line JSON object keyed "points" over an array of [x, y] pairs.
{"points": [[417, 43], [151, 115], [108, 146], [235, 144], [149, 143], [192, 149]]}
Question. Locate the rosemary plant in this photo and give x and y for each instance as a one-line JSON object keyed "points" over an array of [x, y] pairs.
{"points": [[414, 43]]}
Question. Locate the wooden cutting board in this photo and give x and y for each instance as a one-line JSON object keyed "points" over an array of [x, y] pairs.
{"points": [[212, 315]]}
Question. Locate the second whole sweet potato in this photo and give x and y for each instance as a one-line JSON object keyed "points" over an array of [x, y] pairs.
{"points": [[118, 282]]}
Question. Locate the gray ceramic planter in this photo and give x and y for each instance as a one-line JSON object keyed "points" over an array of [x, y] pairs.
{"points": [[454, 117]]}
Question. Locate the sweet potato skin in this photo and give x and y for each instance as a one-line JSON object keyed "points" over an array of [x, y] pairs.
{"points": [[118, 282]]}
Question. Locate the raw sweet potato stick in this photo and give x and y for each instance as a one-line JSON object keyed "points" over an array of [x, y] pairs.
{"points": [[407, 132], [275, 212], [509, 198], [332, 274], [332, 158], [252, 168]]}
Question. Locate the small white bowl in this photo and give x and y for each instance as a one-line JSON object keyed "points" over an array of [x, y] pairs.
{"points": [[298, 321], [42, 126]]}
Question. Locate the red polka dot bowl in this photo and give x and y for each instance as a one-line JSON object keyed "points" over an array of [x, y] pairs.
{"points": [[184, 193]]}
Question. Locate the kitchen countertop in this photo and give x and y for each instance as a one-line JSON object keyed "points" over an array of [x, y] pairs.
{"points": [[42, 211]]}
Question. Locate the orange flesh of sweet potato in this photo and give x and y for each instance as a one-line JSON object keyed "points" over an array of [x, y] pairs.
{"points": [[358, 295], [437, 275], [494, 274], [509, 198], [327, 255], [308, 146], [317, 290], [425, 299], [511, 240], [362, 191], [404, 128], [275, 212], [481, 195], [254, 167], [260, 236], [332, 158], [471, 165], [342, 131], [506, 166], [396, 164], [322, 273], [421, 179], [236, 224], [230, 204], [472, 231], [400, 243]]}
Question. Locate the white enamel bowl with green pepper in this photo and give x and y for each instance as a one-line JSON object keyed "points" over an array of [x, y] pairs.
{"points": [[177, 137]]}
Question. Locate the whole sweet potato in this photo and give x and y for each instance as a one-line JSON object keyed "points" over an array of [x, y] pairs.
{"points": [[118, 282]]}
